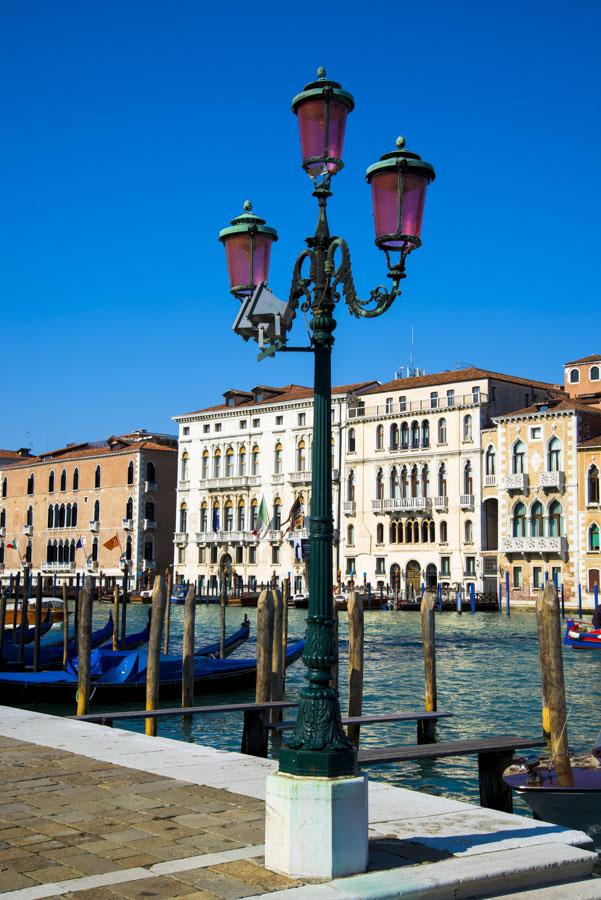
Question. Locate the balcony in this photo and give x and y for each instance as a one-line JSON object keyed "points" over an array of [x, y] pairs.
{"points": [[274, 534], [556, 545], [441, 503], [277, 478], [183, 485], [349, 507], [226, 537], [181, 538], [377, 505], [58, 567], [517, 481], [303, 477], [150, 487], [94, 525], [299, 534], [553, 481], [466, 501], [28, 530], [149, 524], [406, 504], [490, 481], [229, 481], [459, 401], [128, 524]]}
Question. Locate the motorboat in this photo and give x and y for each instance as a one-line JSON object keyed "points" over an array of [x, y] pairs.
{"points": [[582, 636]]}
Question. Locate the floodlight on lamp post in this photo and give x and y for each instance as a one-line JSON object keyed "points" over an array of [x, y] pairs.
{"points": [[322, 275]]}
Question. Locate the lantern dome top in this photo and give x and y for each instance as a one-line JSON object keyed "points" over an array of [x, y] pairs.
{"points": [[247, 221], [403, 159], [323, 86]]}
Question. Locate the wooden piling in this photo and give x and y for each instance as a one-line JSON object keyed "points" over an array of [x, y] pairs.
{"points": [[3, 600], [277, 656], [123, 629], [546, 720], [84, 645], [65, 626], [356, 634], [24, 615], [222, 604], [188, 649], [285, 605], [38, 625], [426, 729], [552, 659], [168, 582], [255, 738], [116, 618], [153, 669]]}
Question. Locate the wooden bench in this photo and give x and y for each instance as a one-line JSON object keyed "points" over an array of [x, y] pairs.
{"points": [[425, 722], [494, 755]]}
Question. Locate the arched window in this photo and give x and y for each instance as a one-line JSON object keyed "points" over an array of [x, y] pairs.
{"points": [[351, 440], [95, 550], [277, 458], [442, 431], [594, 373], [229, 462], [229, 516], [30, 515], [425, 485], [62, 516], [399, 533], [394, 482], [97, 477], [64, 480], [555, 519], [204, 516], [491, 459], [536, 519], [391, 533], [350, 535], [241, 515], [216, 463], [75, 481], [56, 515], [51, 483], [31, 484], [130, 472], [68, 518], [28, 552], [415, 435], [593, 537], [554, 455], [380, 437], [518, 458], [242, 461], [128, 548], [468, 482], [425, 532], [394, 436], [379, 485], [593, 484], [129, 510], [593, 579], [4, 487], [74, 515], [574, 376], [425, 433], [50, 516], [404, 481], [72, 550], [404, 436], [468, 530], [254, 460], [350, 486], [150, 472], [409, 533], [301, 457], [149, 510], [414, 480], [183, 517], [205, 464], [519, 520], [184, 466], [277, 513], [432, 533], [467, 428], [97, 510], [416, 532], [254, 515], [379, 533], [442, 480]]}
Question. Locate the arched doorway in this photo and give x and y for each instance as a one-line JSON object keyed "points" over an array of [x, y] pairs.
{"points": [[395, 578], [431, 577], [413, 578]]}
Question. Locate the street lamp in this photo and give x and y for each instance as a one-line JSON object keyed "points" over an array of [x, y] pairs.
{"points": [[322, 274]]}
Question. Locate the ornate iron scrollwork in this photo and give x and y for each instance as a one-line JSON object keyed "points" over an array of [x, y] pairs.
{"points": [[380, 299]]}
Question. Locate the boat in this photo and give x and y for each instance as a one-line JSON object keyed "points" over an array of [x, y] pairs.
{"points": [[52, 653], [578, 806], [53, 604], [582, 636], [299, 601], [178, 594], [118, 675], [12, 636]]}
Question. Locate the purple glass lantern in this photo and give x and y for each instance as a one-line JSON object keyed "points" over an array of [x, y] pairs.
{"points": [[247, 243], [322, 109], [398, 189]]}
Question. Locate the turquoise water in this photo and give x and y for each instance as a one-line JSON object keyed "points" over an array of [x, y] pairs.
{"points": [[487, 673]]}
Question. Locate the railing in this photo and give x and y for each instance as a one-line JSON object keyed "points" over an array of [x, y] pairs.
{"points": [[407, 504], [303, 477], [516, 481], [128, 524], [149, 524], [181, 537], [183, 485], [349, 507], [299, 534], [229, 481], [151, 486], [490, 481], [94, 525], [553, 480], [537, 544], [226, 537], [441, 503], [274, 534], [277, 478], [425, 405], [28, 530], [466, 501], [377, 505], [58, 567]]}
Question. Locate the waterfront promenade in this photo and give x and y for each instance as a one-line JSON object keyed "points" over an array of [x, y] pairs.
{"points": [[88, 811]]}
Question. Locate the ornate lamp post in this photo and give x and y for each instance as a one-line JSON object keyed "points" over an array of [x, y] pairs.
{"points": [[322, 275]]}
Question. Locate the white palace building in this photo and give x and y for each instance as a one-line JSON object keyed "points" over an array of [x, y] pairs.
{"points": [[410, 469]]}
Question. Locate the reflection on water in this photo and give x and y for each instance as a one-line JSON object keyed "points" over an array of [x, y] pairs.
{"points": [[488, 677]]}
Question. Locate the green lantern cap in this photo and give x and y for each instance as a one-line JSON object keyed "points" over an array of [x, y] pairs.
{"points": [[402, 159], [246, 222], [319, 88]]}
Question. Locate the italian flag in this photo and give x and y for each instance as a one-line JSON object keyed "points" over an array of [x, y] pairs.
{"points": [[264, 514], [12, 545]]}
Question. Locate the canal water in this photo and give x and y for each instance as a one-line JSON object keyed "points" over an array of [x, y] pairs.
{"points": [[487, 672]]}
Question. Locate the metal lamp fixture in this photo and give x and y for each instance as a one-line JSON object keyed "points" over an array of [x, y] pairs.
{"points": [[321, 276]]}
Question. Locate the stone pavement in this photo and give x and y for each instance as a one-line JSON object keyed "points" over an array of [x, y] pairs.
{"points": [[126, 815]]}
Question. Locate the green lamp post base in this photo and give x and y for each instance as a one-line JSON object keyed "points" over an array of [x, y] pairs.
{"points": [[327, 763]]}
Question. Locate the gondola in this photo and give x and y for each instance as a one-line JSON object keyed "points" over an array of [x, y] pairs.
{"points": [[582, 636], [120, 675], [52, 654], [12, 636]]}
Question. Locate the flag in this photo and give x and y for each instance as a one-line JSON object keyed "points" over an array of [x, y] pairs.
{"points": [[12, 545], [295, 516], [81, 542], [111, 543], [264, 514]]}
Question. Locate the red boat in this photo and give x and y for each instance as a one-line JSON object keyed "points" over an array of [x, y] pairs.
{"points": [[582, 636]]}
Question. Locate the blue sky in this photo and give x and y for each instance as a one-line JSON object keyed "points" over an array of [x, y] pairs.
{"points": [[132, 132]]}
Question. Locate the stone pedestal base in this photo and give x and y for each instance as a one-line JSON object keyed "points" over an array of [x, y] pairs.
{"points": [[316, 827]]}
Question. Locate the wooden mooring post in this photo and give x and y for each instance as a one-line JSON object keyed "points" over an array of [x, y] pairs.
{"points": [[546, 721], [116, 618], [188, 649], [277, 654], [65, 626], [123, 629], [153, 669], [38, 624], [426, 729], [169, 583], [84, 645], [356, 635], [222, 605], [552, 659], [3, 601], [24, 615], [254, 734], [285, 604]]}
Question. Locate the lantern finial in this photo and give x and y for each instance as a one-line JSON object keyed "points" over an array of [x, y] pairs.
{"points": [[400, 142], [247, 205], [321, 73]]}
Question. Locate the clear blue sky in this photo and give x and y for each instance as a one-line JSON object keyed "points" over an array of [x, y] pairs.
{"points": [[132, 132]]}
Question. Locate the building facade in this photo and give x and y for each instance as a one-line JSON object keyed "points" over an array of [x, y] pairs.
{"points": [[59, 509]]}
